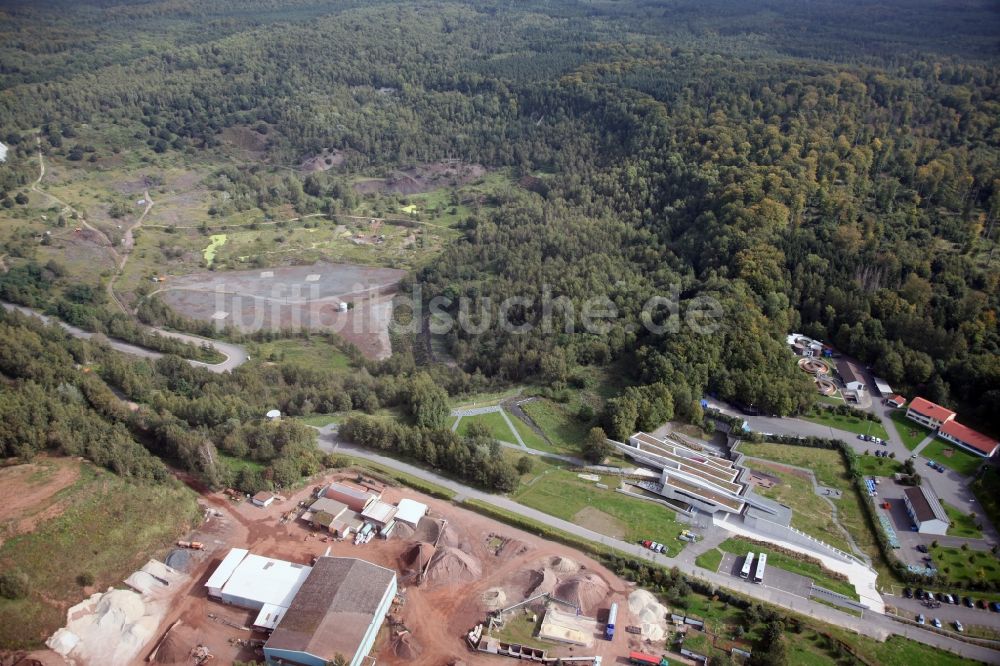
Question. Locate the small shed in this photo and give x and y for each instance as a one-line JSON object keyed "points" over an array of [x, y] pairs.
{"points": [[410, 512], [263, 499], [380, 513]]}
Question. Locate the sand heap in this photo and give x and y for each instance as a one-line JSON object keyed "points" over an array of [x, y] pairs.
{"points": [[650, 613], [108, 628], [453, 565], [543, 581], [563, 565], [416, 557], [495, 598], [405, 646], [585, 589]]}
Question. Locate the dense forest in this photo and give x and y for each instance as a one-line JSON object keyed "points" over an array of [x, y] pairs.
{"points": [[827, 167]]}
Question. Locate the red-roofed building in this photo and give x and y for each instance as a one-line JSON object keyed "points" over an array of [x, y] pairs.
{"points": [[896, 401], [968, 439], [929, 414]]}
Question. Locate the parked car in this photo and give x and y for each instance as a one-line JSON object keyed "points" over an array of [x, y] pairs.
{"points": [[940, 468], [959, 627], [981, 603], [861, 437], [920, 593], [930, 596], [920, 619], [908, 593], [922, 548], [968, 602], [936, 622], [660, 548], [995, 607], [955, 600]]}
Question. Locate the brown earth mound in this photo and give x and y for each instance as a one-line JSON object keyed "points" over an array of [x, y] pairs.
{"points": [[175, 648], [405, 646], [586, 590], [543, 581], [513, 548], [416, 557], [453, 565], [563, 565]]}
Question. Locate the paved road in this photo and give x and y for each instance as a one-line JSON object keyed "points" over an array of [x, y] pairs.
{"points": [[235, 354], [873, 625]]}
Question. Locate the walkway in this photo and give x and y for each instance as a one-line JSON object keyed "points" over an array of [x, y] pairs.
{"points": [[873, 625], [923, 444]]}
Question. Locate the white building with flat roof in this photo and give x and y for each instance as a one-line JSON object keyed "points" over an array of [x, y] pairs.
{"points": [[258, 581], [224, 571], [410, 512]]}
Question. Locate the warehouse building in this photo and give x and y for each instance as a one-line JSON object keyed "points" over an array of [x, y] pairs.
{"points": [[410, 512], [224, 571], [325, 513], [338, 611], [354, 497], [928, 414], [969, 439], [258, 581], [925, 510], [851, 375]]}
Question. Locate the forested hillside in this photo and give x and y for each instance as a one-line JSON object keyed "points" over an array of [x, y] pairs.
{"points": [[827, 167]]}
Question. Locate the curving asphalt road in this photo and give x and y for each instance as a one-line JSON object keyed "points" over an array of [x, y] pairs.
{"points": [[873, 625], [235, 354]]}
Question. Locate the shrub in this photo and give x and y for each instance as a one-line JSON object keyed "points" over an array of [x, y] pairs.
{"points": [[14, 584], [85, 579]]}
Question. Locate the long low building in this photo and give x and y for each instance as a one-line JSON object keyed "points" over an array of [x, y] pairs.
{"points": [[928, 414], [316, 614], [969, 439], [338, 611], [925, 510]]}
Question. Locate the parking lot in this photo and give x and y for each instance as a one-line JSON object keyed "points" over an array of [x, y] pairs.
{"points": [[948, 613], [773, 577]]}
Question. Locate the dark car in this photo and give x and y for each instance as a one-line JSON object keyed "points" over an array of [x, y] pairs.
{"points": [[922, 548], [981, 604], [967, 601], [956, 600], [995, 607], [908, 593], [921, 594]]}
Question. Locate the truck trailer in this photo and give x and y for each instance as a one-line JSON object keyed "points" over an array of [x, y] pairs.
{"points": [[609, 628]]}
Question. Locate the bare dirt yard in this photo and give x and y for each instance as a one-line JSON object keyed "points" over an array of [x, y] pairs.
{"points": [[294, 297], [471, 565], [27, 493]]}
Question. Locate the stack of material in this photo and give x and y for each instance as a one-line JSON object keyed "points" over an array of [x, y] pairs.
{"points": [[454, 566], [586, 590], [650, 613]]}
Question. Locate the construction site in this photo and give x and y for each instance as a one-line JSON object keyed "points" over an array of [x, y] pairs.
{"points": [[450, 571]]}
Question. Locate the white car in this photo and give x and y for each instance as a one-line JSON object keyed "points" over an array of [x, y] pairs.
{"points": [[959, 627], [936, 622]]}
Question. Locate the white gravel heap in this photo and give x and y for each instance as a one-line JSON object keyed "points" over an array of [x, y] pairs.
{"points": [[650, 614]]}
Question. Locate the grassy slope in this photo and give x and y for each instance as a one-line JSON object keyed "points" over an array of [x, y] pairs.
{"points": [[494, 421], [109, 529], [563, 429], [849, 423], [962, 524], [987, 491], [315, 353]]}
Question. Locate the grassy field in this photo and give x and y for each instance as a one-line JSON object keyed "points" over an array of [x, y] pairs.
{"points": [[911, 433], [816, 572], [563, 429], [811, 513], [874, 466], [849, 423], [956, 565], [315, 353], [562, 494], [987, 490], [494, 421], [530, 438], [960, 460], [710, 559], [962, 524], [108, 528], [521, 628]]}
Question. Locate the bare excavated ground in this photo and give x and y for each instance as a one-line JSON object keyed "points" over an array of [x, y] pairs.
{"points": [[474, 557], [27, 493], [294, 297], [423, 178]]}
